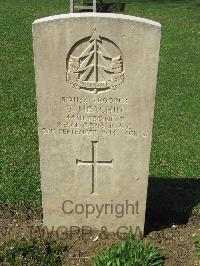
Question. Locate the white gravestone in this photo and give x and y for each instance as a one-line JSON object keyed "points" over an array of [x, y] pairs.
{"points": [[96, 83]]}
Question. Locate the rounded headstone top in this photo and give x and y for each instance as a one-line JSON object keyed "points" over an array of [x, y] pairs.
{"points": [[98, 15]]}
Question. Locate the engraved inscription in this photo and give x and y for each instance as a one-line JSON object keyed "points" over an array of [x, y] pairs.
{"points": [[95, 116], [95, 65], [94, 163]]}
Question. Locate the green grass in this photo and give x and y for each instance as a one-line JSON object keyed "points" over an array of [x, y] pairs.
{"points": [[197, 244], [20, 178], [32, 252], [175, 150], [130, 252]]}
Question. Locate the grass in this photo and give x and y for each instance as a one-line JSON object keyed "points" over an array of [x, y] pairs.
{"points": [[44, 252], [130, 252], [175, 149], [197, 244], [20, 178], [32, 252]]}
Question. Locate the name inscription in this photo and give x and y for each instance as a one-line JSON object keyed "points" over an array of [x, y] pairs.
{"points": [[96, 116]]}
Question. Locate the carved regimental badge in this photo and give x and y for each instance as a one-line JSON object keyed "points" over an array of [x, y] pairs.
{"points": [[95, 64]]}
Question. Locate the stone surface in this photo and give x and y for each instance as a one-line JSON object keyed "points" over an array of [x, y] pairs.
{"points": [[96, 81]]}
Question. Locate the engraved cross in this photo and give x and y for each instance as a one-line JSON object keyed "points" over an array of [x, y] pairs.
{"points": [[94, 163]]}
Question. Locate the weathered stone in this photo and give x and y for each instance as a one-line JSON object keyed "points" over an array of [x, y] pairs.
{"points": [[96, 81]]}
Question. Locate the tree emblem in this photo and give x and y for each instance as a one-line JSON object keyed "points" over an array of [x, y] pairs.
{"points": [[95, 65]]}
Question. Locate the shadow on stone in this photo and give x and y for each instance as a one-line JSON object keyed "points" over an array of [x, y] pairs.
{"points": [[170, 201]]}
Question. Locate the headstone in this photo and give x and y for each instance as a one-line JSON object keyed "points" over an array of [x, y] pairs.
{"points": [[96, 83]]}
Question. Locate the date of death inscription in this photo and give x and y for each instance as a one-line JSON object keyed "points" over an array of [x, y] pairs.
{"points": [[95, 116]]}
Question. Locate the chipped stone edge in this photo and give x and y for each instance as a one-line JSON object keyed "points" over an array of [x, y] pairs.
{"points": [[97, 15]]}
